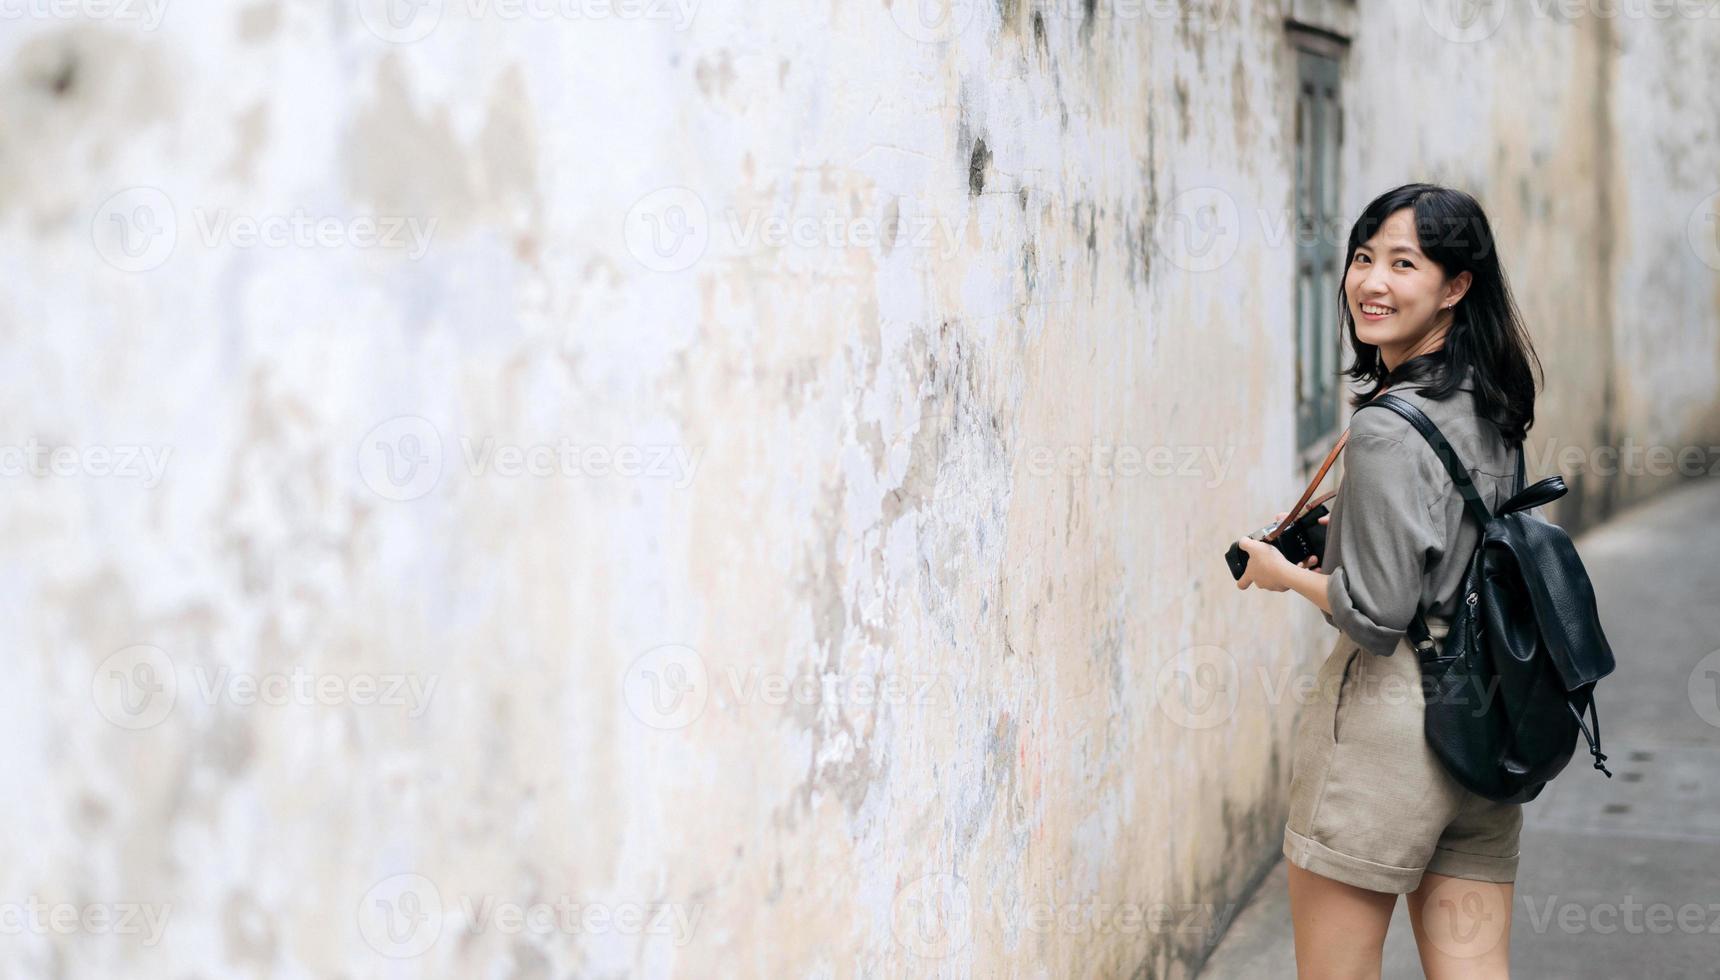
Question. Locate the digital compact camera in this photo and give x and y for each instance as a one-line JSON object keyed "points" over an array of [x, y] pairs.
{"points": [[1305, 537]]}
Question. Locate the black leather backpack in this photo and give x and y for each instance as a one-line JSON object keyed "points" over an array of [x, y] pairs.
{"points": [[1507, 689]]}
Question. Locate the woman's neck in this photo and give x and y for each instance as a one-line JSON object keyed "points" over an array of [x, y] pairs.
{"points": [[1432, 343]]}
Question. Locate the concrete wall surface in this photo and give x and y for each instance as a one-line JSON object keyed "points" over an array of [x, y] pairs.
{"points": [[546, 488]]}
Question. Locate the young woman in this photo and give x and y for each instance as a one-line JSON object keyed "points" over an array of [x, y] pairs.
{"points": [[1373, 814]]}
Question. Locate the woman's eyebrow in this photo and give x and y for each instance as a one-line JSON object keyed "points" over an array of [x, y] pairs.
{"points": [[1404, 249]]}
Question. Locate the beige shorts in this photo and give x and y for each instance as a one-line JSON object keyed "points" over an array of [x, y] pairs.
{"points": [[1370, 804]]}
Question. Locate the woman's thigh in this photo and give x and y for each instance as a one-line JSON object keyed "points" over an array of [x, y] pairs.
{"points": [[1462, 927], [1340, 929]]}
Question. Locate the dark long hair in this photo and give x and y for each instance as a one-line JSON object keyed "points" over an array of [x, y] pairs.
{"points": [[1487, 331]]}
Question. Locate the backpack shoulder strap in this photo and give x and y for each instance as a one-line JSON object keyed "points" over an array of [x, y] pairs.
{"points": [[1442, 449], [1420, 637]]}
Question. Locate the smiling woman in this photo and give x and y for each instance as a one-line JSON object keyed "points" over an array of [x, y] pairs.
{"points": [[1372, 812]]}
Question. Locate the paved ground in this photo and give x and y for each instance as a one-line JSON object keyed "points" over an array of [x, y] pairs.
{"points": [[1619, 877]]}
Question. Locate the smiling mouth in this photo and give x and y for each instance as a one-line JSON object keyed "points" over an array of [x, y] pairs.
{"points": [[1374, 309]]}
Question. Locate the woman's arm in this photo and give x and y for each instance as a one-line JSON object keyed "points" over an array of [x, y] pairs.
{"points": [[1311, 585], [1269, 569], [1391, 532]]}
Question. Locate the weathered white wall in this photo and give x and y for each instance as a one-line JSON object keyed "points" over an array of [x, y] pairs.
{"points": [[872, 621]]}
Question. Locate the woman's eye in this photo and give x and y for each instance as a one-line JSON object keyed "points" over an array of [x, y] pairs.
{"points": [[1407, 262]]}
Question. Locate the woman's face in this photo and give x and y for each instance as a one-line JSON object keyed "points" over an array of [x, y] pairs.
{"points": [[1395, 292]]}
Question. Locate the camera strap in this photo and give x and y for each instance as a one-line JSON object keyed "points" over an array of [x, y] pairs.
{"points": [[1331, 457]]}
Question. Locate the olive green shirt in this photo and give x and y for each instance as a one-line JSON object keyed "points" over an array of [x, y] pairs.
{"points": [[1399, 534]]}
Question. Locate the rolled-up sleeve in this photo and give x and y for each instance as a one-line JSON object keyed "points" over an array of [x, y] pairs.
{"points": [[1390, 536]]}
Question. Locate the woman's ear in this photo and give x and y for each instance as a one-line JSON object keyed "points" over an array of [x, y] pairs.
{"points": [[1458, 286]]}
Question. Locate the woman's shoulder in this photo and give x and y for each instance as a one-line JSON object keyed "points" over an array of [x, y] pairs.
{"points": [[1377, 422], [1456, 411], [1381, 440]]}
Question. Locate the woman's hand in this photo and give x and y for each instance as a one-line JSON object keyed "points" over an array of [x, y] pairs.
{"points": [[1267, 566], [1311, 560]]}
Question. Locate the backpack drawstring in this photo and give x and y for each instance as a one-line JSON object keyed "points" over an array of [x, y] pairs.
{"points": [[1595, 739]]}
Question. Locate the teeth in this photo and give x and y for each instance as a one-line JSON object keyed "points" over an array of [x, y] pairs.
{"points": [[1371, 308]]}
